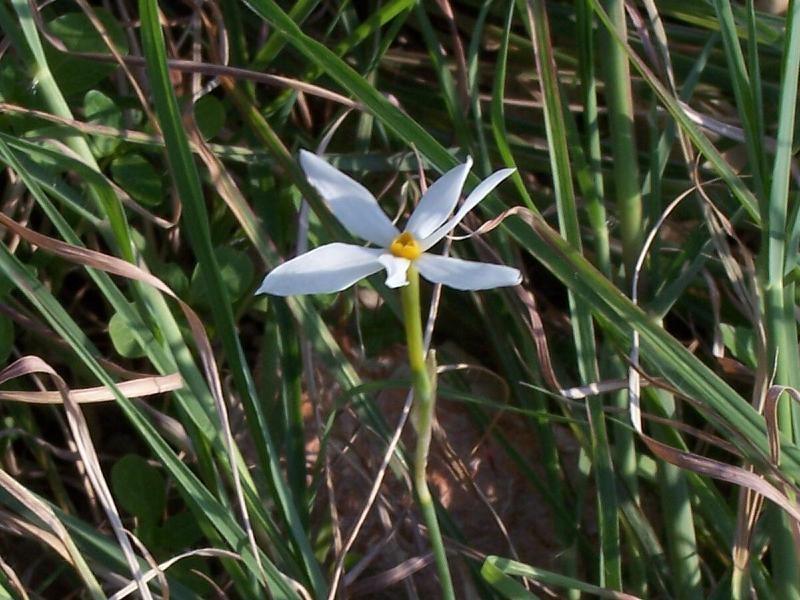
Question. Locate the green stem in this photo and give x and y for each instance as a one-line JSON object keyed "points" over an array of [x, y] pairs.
{"points": [[619, 99], [423, 376], [779, 294]]}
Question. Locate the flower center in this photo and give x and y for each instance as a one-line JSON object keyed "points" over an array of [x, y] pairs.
{"points": [[405, 246]]}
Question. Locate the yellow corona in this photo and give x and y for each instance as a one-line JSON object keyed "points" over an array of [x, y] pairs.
{"points": [[405, 246]]}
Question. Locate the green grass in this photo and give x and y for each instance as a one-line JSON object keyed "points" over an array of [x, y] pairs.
{"points": [[284, 429]]}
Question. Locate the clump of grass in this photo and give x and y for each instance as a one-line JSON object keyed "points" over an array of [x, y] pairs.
{"points": [[155, 412]]}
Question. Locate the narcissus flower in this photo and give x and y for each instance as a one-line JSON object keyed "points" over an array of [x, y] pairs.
{"points": [[334, 267]]}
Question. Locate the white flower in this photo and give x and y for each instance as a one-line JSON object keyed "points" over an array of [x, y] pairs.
{"points": [[334, 267]]}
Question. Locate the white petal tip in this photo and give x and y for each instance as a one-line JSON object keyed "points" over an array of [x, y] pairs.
{"points": [[466, 275], [262, 289], [307, 157], [396, 269], [506, 276], [268, 287], [394, 283], [266, 290]]}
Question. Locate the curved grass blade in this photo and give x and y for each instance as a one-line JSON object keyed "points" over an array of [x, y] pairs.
{"points": [[734, 182], [79, 429], [187, 181], [446, 81], [779, 296], [49, 517], [498, 112], [511, 567], [196, 495], [728, 411], [581, 320]]}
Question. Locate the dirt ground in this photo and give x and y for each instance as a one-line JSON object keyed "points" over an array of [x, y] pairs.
{"points": [[495, 508]]}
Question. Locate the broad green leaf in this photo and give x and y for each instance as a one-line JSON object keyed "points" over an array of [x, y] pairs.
{"points": [[172, 275], [139, 488], [78, 34], [178, 533], [102, 110], [209, 113], [75, 30], [138, 177], [236, 270], [741, 341], [124, 338]]}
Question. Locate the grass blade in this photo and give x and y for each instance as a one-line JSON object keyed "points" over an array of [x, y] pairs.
{"points": [[187, 182]]}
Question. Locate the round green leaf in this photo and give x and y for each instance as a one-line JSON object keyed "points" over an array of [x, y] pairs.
{"points": [[237, 272], [209, 113], [173, 276], [123, 338], [178, 532], [75, 30], [138, 177], [101, 110], [139, 488]]}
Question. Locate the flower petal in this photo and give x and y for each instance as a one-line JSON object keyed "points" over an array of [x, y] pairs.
{"points": [[329, 268], [350, 202], [466, 274], [479, 193], [438, 202], [396, 268]]}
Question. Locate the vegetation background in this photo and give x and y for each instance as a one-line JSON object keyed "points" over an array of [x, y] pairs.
{"points": [[609, 428]]}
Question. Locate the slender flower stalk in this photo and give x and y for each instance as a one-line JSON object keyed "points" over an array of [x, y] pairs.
{"points": [[403, 255], [423, 373]]}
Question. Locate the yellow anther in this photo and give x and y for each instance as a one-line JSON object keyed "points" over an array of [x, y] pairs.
{"points": [[405, 246]]}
